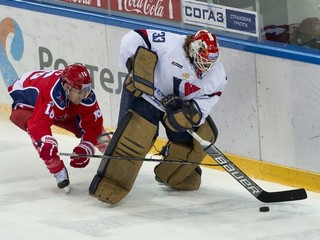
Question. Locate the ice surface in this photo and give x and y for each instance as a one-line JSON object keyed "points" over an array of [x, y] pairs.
{"points": [[32, 207]]}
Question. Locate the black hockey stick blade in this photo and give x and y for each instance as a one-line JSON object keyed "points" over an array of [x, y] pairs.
{"points": [[244, 180], [283, 196]]}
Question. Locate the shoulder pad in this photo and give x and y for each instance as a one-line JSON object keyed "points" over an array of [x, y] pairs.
{"points": [[58, 95]]}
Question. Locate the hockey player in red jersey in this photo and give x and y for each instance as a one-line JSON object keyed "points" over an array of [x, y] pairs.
{"points": [[63, 98]]}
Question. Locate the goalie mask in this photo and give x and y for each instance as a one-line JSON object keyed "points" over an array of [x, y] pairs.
{"points": [[203, 51], [77, 76]]}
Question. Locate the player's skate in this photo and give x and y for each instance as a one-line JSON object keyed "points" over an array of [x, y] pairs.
{"points": [[63, 180]]}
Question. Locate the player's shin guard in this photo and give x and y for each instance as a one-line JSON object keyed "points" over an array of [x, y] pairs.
{"points": [[134, 137], [182, 176], [55, 165]]}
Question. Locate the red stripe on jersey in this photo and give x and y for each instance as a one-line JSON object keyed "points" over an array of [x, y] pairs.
{"points": [[190, 88], [214, 94]]}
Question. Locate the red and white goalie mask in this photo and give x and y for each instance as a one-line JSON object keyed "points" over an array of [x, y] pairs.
{"points": [[204, 51]]}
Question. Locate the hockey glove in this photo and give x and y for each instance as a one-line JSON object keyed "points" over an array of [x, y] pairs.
{"points": [[181, 115], [83, 148], [48, 148], [171, 103]]}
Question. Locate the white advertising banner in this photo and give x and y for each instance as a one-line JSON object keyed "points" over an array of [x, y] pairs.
{"points": [[220, 17]]}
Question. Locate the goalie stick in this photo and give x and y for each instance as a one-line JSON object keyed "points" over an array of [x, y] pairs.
{"points": [[140, 159], [244, 180]]}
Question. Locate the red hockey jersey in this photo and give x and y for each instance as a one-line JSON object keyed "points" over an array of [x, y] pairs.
{"points": [[42, 92]]}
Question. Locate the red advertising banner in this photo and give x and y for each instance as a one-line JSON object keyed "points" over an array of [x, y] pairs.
{"points": [[164, 9], [89, 3]]}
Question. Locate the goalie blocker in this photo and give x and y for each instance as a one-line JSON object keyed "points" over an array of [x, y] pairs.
{"points": [[141, 68]]}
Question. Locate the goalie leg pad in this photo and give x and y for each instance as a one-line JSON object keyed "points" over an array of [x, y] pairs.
{"points": [[172, 174], [191, 182], [208, 131], [182, 176], [134, 137]]}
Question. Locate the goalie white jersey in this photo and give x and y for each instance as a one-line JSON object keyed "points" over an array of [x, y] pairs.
{"points": [[179, 76]]}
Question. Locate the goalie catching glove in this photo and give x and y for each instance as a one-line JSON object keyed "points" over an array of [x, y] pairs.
{"points": [[84, 147], [180, 115]]}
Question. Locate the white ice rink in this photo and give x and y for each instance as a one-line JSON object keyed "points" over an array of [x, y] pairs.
{"points": [[32, 207]]}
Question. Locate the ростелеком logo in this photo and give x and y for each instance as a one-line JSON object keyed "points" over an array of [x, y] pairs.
{"points": [[11, 43]]}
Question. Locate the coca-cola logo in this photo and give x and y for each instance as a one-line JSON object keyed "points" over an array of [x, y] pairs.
{"points": [[145, 7]]}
